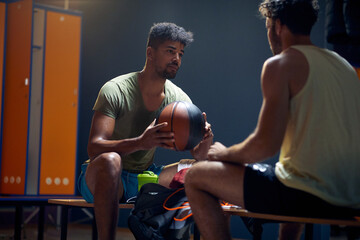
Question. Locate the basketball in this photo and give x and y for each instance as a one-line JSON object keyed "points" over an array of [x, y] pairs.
{"points": [[186, 121]]}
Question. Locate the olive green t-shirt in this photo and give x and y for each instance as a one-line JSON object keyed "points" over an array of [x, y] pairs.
{"points": [[121, 99]]}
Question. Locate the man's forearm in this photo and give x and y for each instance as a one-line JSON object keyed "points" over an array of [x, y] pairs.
{"points": [[122, 147], [251, 150]]}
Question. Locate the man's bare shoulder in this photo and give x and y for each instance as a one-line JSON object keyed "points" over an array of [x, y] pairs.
{"points": [[289, 58], [290, 67], [293, 58]]}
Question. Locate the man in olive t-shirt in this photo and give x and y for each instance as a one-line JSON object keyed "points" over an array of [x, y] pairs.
{"points": [[123, 134]]}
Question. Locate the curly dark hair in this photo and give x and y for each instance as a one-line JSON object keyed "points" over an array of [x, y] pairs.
{"points": [[298, 15], [161, 32]]}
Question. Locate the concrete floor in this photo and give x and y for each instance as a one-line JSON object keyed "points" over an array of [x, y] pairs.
{"points": [[84, 231], [79, 232], [75, 232]]}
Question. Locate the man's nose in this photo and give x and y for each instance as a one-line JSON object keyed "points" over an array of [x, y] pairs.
{"points": [[177, 58]]}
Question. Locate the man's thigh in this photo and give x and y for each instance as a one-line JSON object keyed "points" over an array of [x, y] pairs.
{"points": [[220, 179]]}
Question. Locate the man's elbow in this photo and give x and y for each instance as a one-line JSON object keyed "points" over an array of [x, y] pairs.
{"points": [[267, 149], [91, 151], [271, 152], [271, 148]]}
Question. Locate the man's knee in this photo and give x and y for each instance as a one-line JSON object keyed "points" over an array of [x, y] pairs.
{"points": [[104, 170], [195, 174], [108, 164]]}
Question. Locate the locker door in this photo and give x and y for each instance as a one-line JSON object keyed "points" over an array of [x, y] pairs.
{"points": [[2, 45], [16, 97], [60, 103]]}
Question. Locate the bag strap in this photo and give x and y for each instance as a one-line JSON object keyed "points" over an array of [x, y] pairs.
{"points": [[186, 204], [172, 194]]}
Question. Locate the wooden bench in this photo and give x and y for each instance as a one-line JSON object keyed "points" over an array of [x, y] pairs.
{"points": [[68, 203], [309, 222]]}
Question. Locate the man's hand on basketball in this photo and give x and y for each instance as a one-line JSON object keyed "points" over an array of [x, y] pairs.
{"points": [[208, 136], [201, 150], [152, 137]]}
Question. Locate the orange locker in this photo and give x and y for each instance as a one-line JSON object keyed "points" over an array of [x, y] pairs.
{"points": [[60, 103], [40, 104], [2, 46], [16, 97]]}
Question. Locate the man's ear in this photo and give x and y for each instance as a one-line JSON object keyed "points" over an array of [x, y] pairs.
{"points": [[149, 53], [278, 27]]}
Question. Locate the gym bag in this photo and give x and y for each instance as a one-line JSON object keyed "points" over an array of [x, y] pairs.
{"points": [[160, 213]]}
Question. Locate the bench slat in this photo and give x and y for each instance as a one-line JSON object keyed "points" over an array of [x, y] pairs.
{"points": [[233, 210], [244, 213], [82, 203]]}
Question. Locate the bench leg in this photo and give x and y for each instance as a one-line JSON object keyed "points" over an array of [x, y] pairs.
{"points": [[94, 229], [309, 231], [64, 221], [18, 222], [41, 221]]}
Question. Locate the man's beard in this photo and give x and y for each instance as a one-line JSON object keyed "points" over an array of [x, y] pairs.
{"points": [[276, 48], [169, 74], [275, 43]]}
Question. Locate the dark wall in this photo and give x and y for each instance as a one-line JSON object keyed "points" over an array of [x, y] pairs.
{"points": [[220, 70]]}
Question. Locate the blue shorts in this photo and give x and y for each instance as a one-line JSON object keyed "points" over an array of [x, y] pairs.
{"points": [[264, 193], [129, 181]]}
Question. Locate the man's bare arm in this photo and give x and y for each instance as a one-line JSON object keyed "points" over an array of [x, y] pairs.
{"points": [[102, 128]]}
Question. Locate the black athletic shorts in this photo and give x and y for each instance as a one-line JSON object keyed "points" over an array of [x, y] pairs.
{"points": [[264, 193]]}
